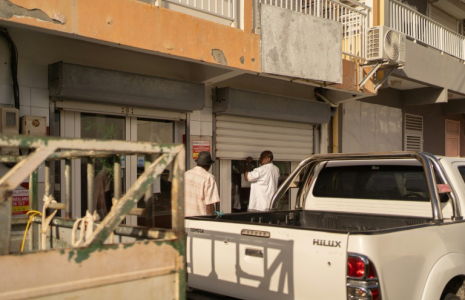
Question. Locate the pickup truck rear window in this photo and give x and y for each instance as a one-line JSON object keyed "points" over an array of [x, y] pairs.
{"points": [[373, 182], [462, 173]]}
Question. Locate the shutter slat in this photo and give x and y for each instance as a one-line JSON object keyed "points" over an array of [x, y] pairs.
{"points": [[221, 132], [413, 133], [239, 137], [443, 18]]}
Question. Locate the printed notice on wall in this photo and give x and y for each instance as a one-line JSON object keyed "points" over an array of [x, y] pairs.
{"points": [[20, 205], [199, 146]]}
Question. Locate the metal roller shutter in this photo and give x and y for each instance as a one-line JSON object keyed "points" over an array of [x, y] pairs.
{"points": [[239, 137], [443, 18]]}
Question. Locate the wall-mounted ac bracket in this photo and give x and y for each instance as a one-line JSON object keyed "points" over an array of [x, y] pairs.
{"points": [[372, 71], [385, 77]]}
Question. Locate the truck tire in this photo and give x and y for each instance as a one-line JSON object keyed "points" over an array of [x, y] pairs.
{"points": [[451, 296]]}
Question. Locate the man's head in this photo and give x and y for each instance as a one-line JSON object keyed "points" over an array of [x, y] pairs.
{"points": [[204, 160], [265, 157]]}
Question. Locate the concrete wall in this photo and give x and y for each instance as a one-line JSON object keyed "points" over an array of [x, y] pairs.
{"points": [[142, 27], [370, 128], [299, 45], [429, 66], [38, 50], [434, 119], [386, 97]]}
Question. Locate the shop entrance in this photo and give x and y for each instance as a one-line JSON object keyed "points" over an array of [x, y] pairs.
{"points": [[240, 137], [161, 127], [240, 188]]}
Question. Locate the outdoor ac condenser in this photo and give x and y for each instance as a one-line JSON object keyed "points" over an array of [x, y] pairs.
{"points": [[9, 125], [385, 44]]}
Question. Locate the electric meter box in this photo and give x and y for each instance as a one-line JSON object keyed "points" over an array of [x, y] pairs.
{"points": [[34, 125], [9, 125]]}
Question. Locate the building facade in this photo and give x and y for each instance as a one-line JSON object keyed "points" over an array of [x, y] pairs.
{"points": [[420, 107], [235, 77]]}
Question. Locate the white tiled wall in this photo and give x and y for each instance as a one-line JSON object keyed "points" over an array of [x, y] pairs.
{"points": [[201, 121], [32, 77]]}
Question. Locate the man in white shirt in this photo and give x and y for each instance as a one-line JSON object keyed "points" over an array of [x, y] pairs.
{"points": [[264, 182], [200, 191]]}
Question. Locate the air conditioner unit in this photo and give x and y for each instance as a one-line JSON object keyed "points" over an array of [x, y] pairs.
{"points": [[385, 44], [9, 125]]}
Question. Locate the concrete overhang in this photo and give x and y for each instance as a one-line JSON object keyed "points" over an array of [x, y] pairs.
{"points": [[430, 67], [139, 26], [456, 106]]}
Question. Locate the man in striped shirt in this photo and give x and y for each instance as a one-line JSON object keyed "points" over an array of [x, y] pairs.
{"points": [[200, 190]]}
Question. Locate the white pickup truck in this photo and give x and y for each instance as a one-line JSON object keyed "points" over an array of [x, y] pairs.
{"points": [[366, 226]]}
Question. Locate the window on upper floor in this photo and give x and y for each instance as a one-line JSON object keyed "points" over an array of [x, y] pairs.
{"points": [[444, 18]]}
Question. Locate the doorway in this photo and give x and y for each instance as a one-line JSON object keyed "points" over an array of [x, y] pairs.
{"points": [[452, 138], [105, 123]]}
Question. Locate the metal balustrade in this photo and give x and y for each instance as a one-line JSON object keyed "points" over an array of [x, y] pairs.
{"points": [[225, 9], [421, 28], [355, 20]]}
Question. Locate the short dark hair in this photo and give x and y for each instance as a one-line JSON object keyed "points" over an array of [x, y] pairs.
{"points": [[267, 154]]}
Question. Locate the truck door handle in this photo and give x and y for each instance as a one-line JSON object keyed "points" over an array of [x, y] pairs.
{"points": [[254, 252]]}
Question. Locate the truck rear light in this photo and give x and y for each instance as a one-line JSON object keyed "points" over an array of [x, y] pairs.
{"points": [[375, 294], [371, 271], [355, 267], [362, 280]]}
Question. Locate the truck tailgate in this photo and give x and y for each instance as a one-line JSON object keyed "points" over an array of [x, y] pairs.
{"points": [[250, 261]]}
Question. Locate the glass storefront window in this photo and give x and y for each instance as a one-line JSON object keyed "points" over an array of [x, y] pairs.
{"points": [[94, 126], [157, 132], [240, 188]]}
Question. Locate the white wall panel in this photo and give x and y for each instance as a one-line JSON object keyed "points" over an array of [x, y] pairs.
{"points": [[239, 137], [367, 127], [371, 128], [382, 126], [351, 127], [395, 128]]}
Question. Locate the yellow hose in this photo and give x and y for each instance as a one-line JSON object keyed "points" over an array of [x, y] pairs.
{"points": [[32, 214]]}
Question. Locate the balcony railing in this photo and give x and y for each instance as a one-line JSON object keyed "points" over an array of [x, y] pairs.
{"points": [[421, 28], [221, 9], [354, 20]]}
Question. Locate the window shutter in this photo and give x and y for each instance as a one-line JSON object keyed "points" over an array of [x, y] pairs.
{"points": [[239, 137], [413, 133], [443, 18]]}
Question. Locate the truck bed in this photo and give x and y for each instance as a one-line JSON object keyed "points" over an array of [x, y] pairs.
{"points": [[321, 220]]}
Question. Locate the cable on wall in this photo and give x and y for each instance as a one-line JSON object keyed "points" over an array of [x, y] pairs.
{"points": [[13, 63]]}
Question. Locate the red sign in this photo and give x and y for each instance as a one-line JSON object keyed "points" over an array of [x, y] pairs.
{"points": [[199, 146], [20, 202]]}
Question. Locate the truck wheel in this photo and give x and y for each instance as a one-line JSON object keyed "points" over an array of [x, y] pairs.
{"points": [[451, 297]]}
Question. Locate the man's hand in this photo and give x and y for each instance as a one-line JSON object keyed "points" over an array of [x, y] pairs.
{"points": [[248, 166]]}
